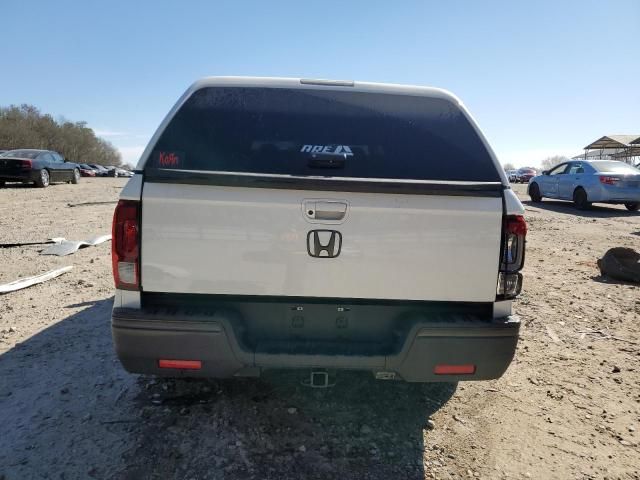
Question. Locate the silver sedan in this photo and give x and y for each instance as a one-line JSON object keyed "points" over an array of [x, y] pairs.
{"points": [[589, 181]]}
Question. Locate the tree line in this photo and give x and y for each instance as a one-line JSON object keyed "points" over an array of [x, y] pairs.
{"points": [[25, 126]]}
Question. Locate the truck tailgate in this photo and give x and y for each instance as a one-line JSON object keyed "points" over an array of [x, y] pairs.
{"points": [[212, 239]]}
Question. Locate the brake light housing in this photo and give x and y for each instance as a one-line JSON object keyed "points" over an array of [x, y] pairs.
{"points": [[512, 259], [26, 164], [607, 180], [125, 245]]}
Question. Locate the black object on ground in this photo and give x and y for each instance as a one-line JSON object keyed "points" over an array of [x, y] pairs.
{"points": [[621, 263], [82, 204], [23, 244]]}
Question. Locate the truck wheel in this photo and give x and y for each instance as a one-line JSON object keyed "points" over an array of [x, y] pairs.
{"points": [[632, 207], [580, 199], [43, 179], [534, 193], [76, 176]]}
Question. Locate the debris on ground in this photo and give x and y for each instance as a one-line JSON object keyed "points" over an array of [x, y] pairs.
{"points": [[552, 334], [458, 419], [606, 336], [83, 204], [67, 247], [29, 281]]}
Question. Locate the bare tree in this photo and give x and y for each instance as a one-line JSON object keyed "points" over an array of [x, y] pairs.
{"points": [[508, 166], [26, 127], [550, 162]]}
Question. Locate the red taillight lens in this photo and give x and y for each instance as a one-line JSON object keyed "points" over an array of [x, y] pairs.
{"points": [[509, 280], [180, 364], [609, 180], [467, 369], [125, 245], [25, 164], [516, 225]]}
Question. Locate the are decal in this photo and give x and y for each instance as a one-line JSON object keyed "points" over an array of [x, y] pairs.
{"points": [[336, 149]]}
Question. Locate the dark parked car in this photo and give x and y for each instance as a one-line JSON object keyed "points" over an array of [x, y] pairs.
{"points": [[87, 170], [111, 171], [41, 167], [100, 170]]}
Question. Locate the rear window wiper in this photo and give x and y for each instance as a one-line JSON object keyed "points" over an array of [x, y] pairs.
{"points": [[327, 160]]}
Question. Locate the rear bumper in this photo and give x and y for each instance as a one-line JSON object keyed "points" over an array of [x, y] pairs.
{"points": [[142, 338], [19, 176], [612, 194]]}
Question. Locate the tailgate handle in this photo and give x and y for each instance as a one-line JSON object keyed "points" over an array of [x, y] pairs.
{"points": [[320, 210]]}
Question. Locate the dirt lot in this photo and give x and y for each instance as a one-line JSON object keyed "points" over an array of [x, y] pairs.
{"points": [[568, 407]]}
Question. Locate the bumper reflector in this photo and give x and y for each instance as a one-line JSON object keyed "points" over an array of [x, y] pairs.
{"points": [[454, 369], [180, 364]]}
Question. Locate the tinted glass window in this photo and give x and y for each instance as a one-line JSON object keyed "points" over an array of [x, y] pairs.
{"points": [[575, 169], [46, 156], [615, 167], [22, 153], [559, 170], [302, 132]]}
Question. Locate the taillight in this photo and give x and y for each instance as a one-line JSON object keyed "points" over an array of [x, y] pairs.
{"points": [[125, 250], [25, 164], [609, 180], [513, 243]]}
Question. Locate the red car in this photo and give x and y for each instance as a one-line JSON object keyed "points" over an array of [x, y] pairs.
{"points": [[86, 170], [525, 174]]}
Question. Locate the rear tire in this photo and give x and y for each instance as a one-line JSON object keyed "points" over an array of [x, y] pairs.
{"points": [[43, 179], [580, 199], [76, 176], [632, 207], [534, 193]]}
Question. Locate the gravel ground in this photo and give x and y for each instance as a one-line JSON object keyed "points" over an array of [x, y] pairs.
{"points": [[567, 408]]}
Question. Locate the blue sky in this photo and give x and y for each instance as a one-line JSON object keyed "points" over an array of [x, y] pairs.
{"points": [[540, 77]]}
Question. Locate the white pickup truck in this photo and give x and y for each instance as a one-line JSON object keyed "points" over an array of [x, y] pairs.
{"points": [[322, 225]]}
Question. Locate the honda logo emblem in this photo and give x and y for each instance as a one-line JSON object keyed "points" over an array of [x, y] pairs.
{"points": [[324, 243]]}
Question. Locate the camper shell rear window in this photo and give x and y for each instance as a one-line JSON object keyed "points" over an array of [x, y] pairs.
{"points": [[323, 132]]}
